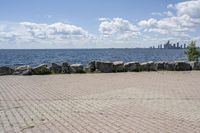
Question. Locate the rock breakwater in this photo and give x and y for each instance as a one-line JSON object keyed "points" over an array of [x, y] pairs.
{"points": [[101, 67]]}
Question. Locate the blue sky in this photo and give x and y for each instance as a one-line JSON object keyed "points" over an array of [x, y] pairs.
{"points": [[97, 23]]}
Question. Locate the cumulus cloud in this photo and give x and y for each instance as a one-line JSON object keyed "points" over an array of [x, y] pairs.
{"points": [[57, 33], [177, 23], [118, 27], [54, 31], [190, 8], [148, 23], [186, 20], [168, 13]]}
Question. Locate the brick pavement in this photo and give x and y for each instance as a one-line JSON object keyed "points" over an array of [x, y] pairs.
{"points": [[153, 102]]}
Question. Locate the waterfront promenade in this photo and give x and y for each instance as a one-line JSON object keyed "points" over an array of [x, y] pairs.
{"points": [[153, 102]]}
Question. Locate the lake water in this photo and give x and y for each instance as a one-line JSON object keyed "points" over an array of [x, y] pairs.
{"points": [[83, 56]]}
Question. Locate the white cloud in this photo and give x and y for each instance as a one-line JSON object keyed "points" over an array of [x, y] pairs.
{"points": [[156, 14], [54, 31], [186, 20], [168, 13], [104, 19], [118, 27], [148, 23], [25, 32], [176, 24], [170, 6], [190, 8]]}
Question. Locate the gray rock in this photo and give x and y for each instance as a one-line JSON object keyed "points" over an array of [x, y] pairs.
{"points": [[65, 67], [76, 68], [160, 65], [91, 66], [41, 70], [86, 69], [195, 65], [169, 66], [132, 66], [104, 66], [148, 66], [118, 66], [6, 71], [182, 66], [55, 68], [27, 72], [23, 70]]}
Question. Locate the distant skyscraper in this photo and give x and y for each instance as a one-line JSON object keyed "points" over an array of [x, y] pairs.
{"points": [[177, 45], [168, 45], [174, 45], [184, 45]]}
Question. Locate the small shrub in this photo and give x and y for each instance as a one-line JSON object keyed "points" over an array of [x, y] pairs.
{"points": [[192, 52]]}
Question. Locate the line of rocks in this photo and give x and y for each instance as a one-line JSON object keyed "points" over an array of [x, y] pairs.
{"points": [[100, 66]]}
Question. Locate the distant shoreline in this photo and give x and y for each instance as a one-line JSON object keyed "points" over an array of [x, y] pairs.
{"points": [[92, 49]]}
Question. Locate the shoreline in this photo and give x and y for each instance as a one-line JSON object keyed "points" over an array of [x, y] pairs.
{"points": [[100, 67]]}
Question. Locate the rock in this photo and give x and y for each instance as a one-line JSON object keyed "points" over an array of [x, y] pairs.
{"points": [[160, 65], [170, 66], [55, 68], [132, 66], [41, 70], [118, 66], [91, 66], [148, 66], [6, 71], [195, 65], [76, 68], [104, 66], [27, 72], [65, 67], [182, 66], [86, 69], [23, 70]]}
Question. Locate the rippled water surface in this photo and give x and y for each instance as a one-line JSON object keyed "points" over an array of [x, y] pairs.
{"points": [[35, 57]]}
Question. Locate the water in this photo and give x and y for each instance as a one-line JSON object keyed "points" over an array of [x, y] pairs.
{"points": [[35, 57]]}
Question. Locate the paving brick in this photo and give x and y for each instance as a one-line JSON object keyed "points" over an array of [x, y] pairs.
{"points": [[119, 102]]}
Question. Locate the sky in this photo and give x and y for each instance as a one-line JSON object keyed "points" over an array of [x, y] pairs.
{"points": [[40, 24]]}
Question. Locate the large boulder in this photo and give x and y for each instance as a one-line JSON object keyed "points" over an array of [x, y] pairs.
{"points": [[27, 72], [6, 71], [195, 65], [104, 66], [132, 66], [65, 67], [91, 66], [41, 70], [76, 68], [55, 68], [182, 66], [118, 66], [170, 66], [23, 70], [148, 66], [160, 65]]}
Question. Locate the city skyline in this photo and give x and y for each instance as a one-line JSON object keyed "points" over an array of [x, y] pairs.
{"points": [[169, 45]]}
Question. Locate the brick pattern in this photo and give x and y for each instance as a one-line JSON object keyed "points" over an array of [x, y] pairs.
{"points": [[153, 102]]}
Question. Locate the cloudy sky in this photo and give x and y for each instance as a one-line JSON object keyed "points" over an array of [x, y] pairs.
{"points": [[97, 23]]}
